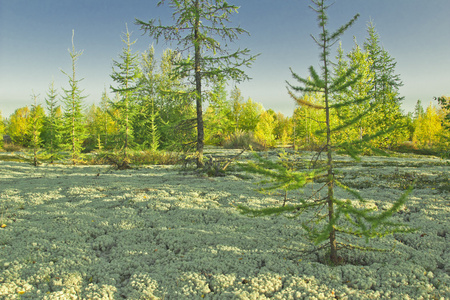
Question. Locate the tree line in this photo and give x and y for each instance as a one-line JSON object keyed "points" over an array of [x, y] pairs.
{"points": [[158, 104]]}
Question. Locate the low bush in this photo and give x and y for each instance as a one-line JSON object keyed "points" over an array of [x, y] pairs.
{"points": [[8, 147], [242, 140], [145, 157], [149, 157]]}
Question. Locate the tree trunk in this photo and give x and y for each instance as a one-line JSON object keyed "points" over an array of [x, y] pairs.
{"points": [[126, 129], [330, 177], [198, 87], [73, 129]]}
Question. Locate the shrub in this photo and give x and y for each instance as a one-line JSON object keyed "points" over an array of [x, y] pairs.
{"points": [[147, 157], [12, 147], [151, 157], [242, 140]]}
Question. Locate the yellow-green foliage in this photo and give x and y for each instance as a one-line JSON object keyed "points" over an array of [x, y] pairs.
{"points": [[19, 125], [242, 140], [249, 114], [308, 121], [2, 130], [428, 128], [264, 131], [283, 129]]}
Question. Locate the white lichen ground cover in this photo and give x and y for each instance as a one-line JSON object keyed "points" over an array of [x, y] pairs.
{"points": [[90, 232]]}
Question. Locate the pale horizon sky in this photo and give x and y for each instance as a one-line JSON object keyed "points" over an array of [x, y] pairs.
{"points": [[35, 37]]}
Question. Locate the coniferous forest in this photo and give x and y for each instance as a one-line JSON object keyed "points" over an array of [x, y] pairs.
{"points": [[166, 110], [182, 101]]}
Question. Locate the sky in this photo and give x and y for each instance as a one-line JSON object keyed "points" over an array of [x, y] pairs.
{"points": [[35, 37]]}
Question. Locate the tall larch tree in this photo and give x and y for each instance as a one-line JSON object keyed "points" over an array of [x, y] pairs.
{"points": [[335, 219], [74, 129], [202, 34], [126, 75], [326, 85]]}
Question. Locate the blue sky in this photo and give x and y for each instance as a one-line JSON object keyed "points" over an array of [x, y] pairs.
{"points": [[35, 37]]}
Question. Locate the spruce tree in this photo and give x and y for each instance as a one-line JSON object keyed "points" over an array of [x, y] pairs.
{"points": [[385, 92], [176, 115], [334, 218], [147, 131], [199, 29], [104, 115], [127, 78], [361, 63], [237, 101], [74, 130], [418, 110], [53, 124], [217, 122], [250, 112]]}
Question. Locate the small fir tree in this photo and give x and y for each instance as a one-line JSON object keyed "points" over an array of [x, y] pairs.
{"points": [[176, 114], [93, 116], [127, 77], [334, 217], [249, 114], [217, 117], [237, 101], [74, 129], [53, 124], [418, 110], [104, 116], [147, 118]]}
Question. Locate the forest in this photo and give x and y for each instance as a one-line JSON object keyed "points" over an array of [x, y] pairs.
{"points": [[162, 104], [98, 202]]}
